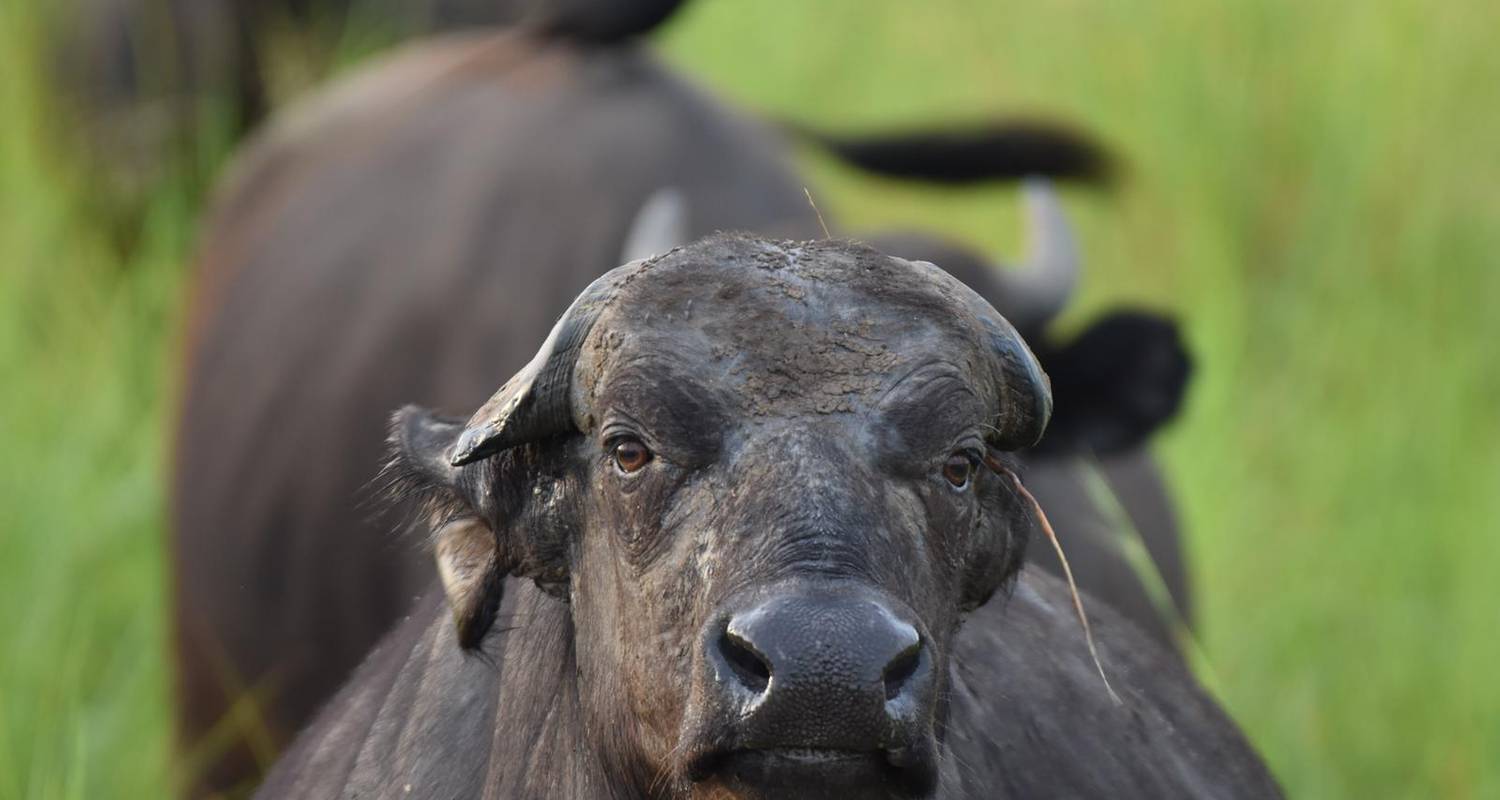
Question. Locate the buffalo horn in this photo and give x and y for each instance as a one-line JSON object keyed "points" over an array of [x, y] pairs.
{"points": [[659, 226], [1026, 402], [1045, 279], [536, 402]]}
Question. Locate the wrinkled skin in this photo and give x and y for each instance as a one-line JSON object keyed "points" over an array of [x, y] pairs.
{"points": [[757, 425], [799, 444], [1115, 384]]}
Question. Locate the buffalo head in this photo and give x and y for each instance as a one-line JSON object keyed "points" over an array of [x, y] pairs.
{"points": [[757, 472]]}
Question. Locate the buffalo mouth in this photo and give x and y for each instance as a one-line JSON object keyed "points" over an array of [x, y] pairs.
{"points": [[802, 771]]}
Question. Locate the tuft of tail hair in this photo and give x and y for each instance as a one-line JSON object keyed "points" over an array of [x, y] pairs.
{"points": [[970, 154]]}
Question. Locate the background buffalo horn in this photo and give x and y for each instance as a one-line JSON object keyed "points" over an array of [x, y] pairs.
{"points": [[1045, 279], [536, 402], [660, 225]]}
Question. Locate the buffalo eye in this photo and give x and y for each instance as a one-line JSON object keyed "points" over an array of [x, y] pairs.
{"points": [[630, 454], [958, 469]]}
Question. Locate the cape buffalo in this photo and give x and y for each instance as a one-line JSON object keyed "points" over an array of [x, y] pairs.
{"points": [[755, 487], [395, 239]]}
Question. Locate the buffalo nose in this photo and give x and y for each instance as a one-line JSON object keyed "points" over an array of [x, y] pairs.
{"points": [[824, 671]]}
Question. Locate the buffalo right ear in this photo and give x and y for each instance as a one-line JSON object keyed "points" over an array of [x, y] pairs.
{"points": [[1117, 383], [469, 554]]}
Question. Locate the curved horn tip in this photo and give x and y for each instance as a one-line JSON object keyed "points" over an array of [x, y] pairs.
{"points": [[475, 443], [1041, 402], [1050, 234], [536, 402], [1037, 188], [1041, 395], [1047, 275]]}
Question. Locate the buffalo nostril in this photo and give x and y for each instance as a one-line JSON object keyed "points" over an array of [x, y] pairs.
{"points": [[900, 670], [748, 665]]}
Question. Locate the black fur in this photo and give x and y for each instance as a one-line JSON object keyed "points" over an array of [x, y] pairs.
{"points": [[1116, 383]]}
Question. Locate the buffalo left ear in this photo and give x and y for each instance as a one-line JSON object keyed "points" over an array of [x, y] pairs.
{"points": [[469, 554], [1116, 383]]}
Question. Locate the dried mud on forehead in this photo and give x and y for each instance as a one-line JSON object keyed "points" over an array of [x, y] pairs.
{"points": [[797, 327]]}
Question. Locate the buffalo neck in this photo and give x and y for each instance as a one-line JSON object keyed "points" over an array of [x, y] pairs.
{"points": [[546, 744]]}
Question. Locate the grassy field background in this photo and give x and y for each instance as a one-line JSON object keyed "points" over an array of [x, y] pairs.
{"points": [[1313, 188]]}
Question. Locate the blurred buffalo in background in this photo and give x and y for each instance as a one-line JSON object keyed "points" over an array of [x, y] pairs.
{"points": [[160, 88], [160, 58], [407, 236]]}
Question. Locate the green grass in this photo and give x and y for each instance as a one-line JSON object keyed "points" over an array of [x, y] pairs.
{"points": [[83, 345], [1313, 188]]}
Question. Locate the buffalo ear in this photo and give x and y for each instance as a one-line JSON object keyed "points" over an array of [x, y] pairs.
{"points": [[468, 563], [1116, 383], [420, 442], [467, 550]]}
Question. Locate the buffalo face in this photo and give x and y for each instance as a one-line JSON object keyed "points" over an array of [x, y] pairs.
{"points": [[757, 472]]}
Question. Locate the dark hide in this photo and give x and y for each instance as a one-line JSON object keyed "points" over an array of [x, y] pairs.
{"points": [[799, 399], [1030, 717], [448, 201], [1116, 383], [1135, 504]]}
